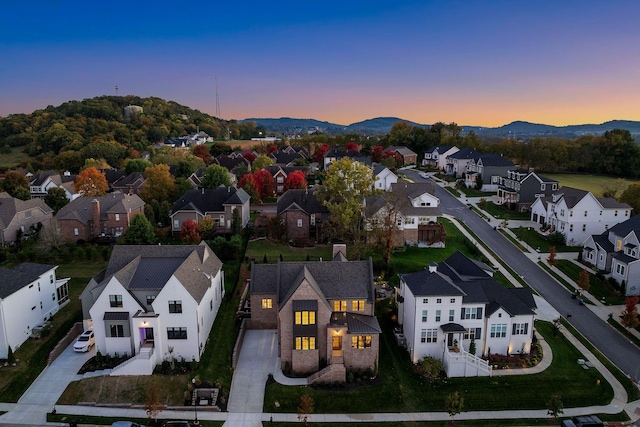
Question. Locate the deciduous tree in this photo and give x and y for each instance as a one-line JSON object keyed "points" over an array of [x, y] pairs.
{"points": [[264, 183], [376, 153], [215, 176], [352, 146], [56, 198], [583, 280], [190, 232], [321, 151], [305, 408], [159, 185], [136, 165], [91, 182], [453, 403], [551, 259], [202, 152], [248, 184], [261, 162], [630, 314], [140, 232], [15, 184], [555, 406], [295, 180]]}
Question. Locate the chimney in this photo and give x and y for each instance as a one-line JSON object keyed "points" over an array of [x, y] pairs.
{"points": [[339, 247], [95, 206], [433, 267]]}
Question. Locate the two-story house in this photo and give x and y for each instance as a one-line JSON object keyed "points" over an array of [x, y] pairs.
{"points": [[409, 157], [129, 184], [154, 303], [444, 308], [21, 216], [279, 176], [337, 153], [87, 218], [578, 213], [43, 181], [29, 295], [436, 157], [456, 163], [383, 177], [617, 252], [412, 209], [302, 214], [323, 312], [487, 169], [520, 188], [216, 203]]}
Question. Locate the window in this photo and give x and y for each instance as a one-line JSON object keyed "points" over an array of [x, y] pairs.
{"points": [[615, 213], [425, 300], [339, 305], [150, 299], [498, 330], [116, 331], [452, 300], [585, 213], [117, 217], [431, 335], [279, 188], [438, 313], [175, 306], [361, 341], [571, 227], [75, 231], [312, 220], [451, 315], [176, 224], [115, 300], [570, 213], [410, 220], [561, 212], [51, 278], [543, 187], [423, 335], [27, 214], [472, 333], [177, 333], [305, 317], [280, 180], [620, 269], [357, 305], [520, 329], [305, 343], [267, 303], [471, 313], [424, 316], [300, 223], [584, 227], [439, 301]]}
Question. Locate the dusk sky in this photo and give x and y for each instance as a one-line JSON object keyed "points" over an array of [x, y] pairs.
{"points": [[483, 63]]}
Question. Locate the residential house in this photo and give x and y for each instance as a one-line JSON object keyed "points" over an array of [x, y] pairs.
{"points": [[21, 216], [87, 218], [617, 252], [520, 188], [436, 157], [407, 155], [487, 169], [154, 302], [456, 163], [323, 312], [412, 209], [383, 177], [29, 295], [217, 203], [288, 155], [129, 184], [279, 176], [232, 161], [444, 308], [337, 153], [112, 175], [43, 181], [578, 213], [186, 141], [302, 214]]}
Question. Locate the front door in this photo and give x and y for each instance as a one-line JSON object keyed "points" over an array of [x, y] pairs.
{"points": [[148, 334], [337, 346], [449, 340]]}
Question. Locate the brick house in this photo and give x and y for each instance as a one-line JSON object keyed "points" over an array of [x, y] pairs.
{"points": [[21, 215], [303, 214], [409, 157], [323, 311], [86, 218]]}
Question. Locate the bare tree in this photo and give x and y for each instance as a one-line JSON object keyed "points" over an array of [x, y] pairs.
{"points": [[153, 406], [305, 408]]}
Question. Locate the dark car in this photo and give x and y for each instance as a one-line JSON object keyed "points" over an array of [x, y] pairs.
{"points": [[177, 424]]}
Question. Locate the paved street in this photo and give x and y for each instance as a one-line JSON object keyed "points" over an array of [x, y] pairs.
{"points": [[618, 349]]}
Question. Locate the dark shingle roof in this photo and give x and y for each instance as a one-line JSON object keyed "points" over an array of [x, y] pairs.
{"points": [[611, 203], [20, 276], [10, 206], [303, 199], [465, 153], [210, 200], [81, 209], [571, 195], [602, 240], [490, 159], [626, 227]]}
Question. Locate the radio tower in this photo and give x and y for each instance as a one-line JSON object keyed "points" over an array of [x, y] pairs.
{"points": [[217, 100], [116, 90]]}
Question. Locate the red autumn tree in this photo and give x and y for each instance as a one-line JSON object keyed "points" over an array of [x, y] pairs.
{"points": [[264, 183], [352, 146], [376, 154], [630, 314], [551, 259], [272, 148], [190, 232], [321, 151], [249, 156], [248, 184], [203, 152], [296, 180], [91, 182], [583, 280]]}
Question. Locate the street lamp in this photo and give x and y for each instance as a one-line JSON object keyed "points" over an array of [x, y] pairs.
{"points": [[195, 402]]}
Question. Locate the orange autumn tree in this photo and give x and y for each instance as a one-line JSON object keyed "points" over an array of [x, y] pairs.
{"points": [[91, 182]]}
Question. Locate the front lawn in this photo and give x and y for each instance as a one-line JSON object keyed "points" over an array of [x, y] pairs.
{"points": [[501, 212], [539, 242], [601, 289]]}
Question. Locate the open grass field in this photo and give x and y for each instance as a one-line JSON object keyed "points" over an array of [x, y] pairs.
{"points": [[592, 183], [12, 159]]}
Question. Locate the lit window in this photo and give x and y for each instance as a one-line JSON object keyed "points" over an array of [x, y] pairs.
{"points": [[357, 305], [361, 341], [305, 343], [267, 303], [305, 317], [340, 305]]}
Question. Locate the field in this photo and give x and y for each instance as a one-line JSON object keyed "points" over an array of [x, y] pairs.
{"points": [[593, 183], [12, 159]]}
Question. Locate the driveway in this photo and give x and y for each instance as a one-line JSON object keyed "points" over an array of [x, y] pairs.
{"points": [[45, 391]]}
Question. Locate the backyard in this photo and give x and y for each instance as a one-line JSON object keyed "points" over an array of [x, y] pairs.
{"points": [[593, 183]]}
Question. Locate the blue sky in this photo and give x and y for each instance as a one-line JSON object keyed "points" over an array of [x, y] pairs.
{"points": [[472, 62]]}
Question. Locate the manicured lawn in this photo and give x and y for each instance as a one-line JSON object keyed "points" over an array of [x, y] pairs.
{"points": [[472, 192], [257, 249], [106, 421], [501, 212], [453, 191], [538, 241], [400, 390], [592, 183], [598, 288]]}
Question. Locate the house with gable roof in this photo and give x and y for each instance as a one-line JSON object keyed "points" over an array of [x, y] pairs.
{"points": [[337, 153], [488, 169], [520, 188], [43, 181], [456, 163], [279, 176], [578, 213], [436, 157], [323, 312], [383, 177], [617, 252], [21, 216], [302, 214], [444, 308], [409, 157], [30, 294], [154, 302], [216, 203]]}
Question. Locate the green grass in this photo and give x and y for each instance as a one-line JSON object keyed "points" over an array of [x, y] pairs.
{"points": [[592, 183], [540, 242], [624, 332], [556, 276], [401, 390], [106, 421], [501, 212], [453, 191], [600, 289], [12, 160], [257, 249], [512, 240], [472, 192]]}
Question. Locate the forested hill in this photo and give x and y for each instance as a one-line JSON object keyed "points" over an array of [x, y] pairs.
{"points": [[78, 124]]}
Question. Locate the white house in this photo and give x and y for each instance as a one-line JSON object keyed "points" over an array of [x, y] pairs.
{"points": [[578, 213], [436, 157], [29, 295], [617, 252], [154, 302], [456, 163], [383, 177], [444, 308]]}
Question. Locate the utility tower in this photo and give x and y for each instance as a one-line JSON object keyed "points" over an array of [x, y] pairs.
{"points": [[217, 100]]}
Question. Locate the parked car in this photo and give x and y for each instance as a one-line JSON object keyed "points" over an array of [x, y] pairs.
{"points": [[583, 421], [177, 424], [85, 341], [126, 424]]}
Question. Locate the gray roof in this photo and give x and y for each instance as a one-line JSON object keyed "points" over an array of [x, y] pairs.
{"points": [[20, 276], [622, 257], [10, 206], [602, 240], [571, 195], [465, 153], [356, 323], [490, 159], [81, 209], [440, 148], [611, 203], [210, 200], [402, 150], [301, 199], [624, 228], [453, 327]]}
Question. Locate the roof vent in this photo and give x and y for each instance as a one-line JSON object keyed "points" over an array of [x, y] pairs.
{"points": [[433, 267]]}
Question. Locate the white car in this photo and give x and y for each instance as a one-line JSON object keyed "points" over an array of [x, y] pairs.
{"points": [[85, 341]]}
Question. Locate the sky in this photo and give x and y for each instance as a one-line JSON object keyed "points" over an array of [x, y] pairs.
{"points": [[481, 63]]}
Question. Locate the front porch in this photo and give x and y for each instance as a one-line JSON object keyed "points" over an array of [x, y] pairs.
{"points": [[457, 361]]}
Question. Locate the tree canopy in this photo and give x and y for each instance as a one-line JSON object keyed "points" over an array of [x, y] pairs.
{"points": [[159, 185], [91, 182], [215, 176], [140, 232]]}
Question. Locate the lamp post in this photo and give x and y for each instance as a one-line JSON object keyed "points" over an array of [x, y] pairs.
{"points": [[195, 402]]}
